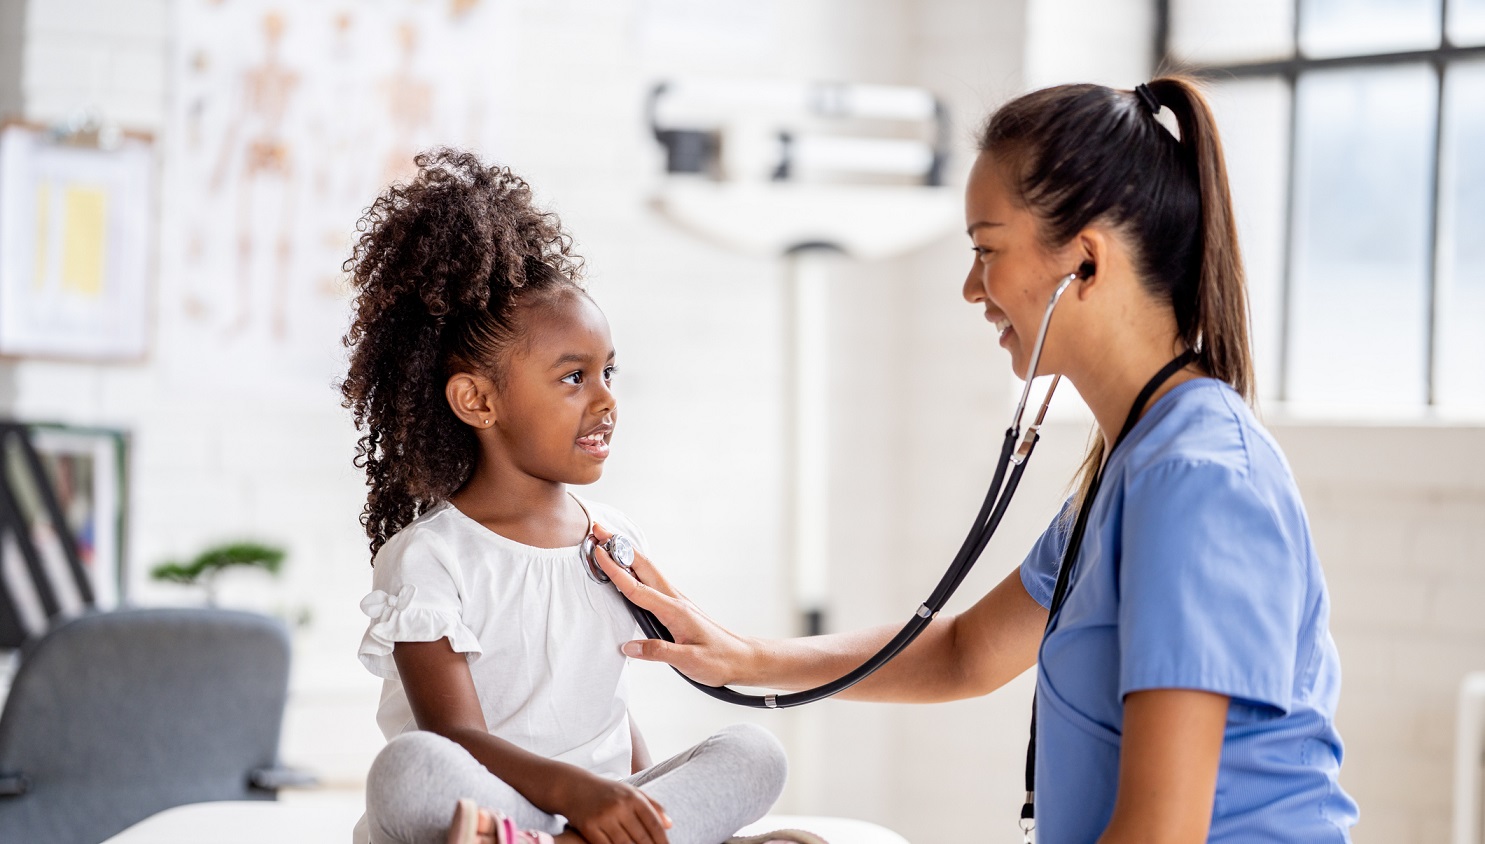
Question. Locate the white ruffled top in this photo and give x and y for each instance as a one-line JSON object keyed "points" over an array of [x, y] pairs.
{"points": [[541, 636]]}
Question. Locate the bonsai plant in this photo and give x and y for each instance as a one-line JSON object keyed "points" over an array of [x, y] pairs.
{"points": [[209, 564]]}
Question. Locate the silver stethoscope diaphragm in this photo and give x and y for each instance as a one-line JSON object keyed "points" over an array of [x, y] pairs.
{"points": [[618, 547]]}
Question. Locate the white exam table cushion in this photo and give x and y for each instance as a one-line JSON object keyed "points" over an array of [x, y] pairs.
{"points": [[310, 820]]}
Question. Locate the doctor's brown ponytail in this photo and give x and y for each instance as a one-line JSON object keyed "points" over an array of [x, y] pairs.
{"points": [[1075, 155], [1217, 322]]}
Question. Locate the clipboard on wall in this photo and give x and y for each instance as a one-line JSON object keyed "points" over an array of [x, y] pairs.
{"points": [[77, 228]]}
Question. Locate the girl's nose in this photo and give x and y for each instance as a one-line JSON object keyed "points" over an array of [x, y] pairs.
{"points": [[605, 401]]}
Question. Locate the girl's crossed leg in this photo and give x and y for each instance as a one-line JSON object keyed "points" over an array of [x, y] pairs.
{"points": [[709, 791]]}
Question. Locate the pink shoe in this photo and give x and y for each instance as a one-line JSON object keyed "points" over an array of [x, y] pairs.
{"points": [[473, 825], [779, 836]]}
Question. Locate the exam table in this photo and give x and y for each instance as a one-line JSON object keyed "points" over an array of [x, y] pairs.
{"points": [[313, 818]]}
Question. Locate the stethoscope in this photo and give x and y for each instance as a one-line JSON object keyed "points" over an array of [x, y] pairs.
{"points": [[1012, 462]]}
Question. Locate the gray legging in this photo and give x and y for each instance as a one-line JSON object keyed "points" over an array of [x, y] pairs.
{"points": [[709, 791]]}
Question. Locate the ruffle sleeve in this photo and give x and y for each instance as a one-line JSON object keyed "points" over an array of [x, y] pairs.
{"points": [[417, 599]]}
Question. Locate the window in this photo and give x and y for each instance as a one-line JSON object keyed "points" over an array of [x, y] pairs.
{"points": [[1353, 131]]}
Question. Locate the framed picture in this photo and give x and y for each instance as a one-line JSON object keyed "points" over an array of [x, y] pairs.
{"points": [[62, 522], [76, 219]]}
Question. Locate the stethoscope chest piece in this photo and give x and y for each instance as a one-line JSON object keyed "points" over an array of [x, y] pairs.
{"points": [[618, 547]]}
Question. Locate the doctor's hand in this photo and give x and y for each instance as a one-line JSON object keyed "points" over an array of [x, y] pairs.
{"points": [[703, 650]]}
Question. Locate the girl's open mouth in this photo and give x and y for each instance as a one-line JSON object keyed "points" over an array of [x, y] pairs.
{"points": [[594, 444]]}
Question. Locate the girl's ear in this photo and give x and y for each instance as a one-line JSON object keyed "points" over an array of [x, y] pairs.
{"points": [[472, 398]]}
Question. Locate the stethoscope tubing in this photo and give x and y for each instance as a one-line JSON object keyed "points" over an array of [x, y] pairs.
{"points": [[1009, 468], [991, 513]]}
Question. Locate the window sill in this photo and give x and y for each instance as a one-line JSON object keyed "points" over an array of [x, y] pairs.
{"points": [[1278, 414]]}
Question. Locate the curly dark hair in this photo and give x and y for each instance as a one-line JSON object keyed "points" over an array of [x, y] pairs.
{"points": [[442, 269]]}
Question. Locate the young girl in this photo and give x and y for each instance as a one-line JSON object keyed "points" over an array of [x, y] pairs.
{"points": [[481, 374]]}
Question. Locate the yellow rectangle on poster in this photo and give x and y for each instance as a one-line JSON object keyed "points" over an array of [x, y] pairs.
{"points": [[84, 229]]}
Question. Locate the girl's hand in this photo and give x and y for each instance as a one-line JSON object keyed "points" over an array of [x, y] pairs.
{"points": [[610, 812], [703, 650]]}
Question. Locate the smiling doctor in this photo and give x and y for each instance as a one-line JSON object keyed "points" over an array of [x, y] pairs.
{"points": [[1187, 680]]}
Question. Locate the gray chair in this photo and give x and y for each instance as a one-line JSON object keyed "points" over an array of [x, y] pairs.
{"points": [[115, 716]]}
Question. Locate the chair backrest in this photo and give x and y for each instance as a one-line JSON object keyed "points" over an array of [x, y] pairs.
{"points": [[115, 716]]}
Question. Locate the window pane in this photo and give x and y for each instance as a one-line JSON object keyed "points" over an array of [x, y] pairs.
{"points": [[1461, 305], [1219, 31], [1357, 327], [1339, 27], [1253, 116], [1467, 22]]}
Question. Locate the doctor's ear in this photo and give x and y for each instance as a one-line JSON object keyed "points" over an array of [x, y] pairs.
{"points": [[1093, 248], [472, 398]]}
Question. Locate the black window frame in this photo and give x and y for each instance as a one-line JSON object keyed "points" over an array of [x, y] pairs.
{"points": [[1289, 70]]}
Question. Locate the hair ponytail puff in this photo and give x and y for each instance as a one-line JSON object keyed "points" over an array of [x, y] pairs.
{"points": [[441, 269], [1215, 318]]}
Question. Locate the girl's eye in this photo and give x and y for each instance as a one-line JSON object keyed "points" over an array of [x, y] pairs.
{"points": [[980, 251], [573, 377], [609, 372]]}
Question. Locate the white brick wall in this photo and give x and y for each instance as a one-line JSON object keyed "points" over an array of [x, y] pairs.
{"points": [[1398, 515], [94, 54]]}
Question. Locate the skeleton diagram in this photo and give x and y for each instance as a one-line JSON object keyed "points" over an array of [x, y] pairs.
{"points": [[409, 107], [257, 131]]}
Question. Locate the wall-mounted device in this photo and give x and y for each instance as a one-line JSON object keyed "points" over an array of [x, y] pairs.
{"points": [[809, 172]]}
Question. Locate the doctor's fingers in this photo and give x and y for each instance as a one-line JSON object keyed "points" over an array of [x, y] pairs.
{"points": [[662, 605], [647, 572], [650, 575], [659, 650]]}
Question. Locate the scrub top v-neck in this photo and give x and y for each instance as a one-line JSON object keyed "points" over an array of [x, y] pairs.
{"points": [[1196, 572]]}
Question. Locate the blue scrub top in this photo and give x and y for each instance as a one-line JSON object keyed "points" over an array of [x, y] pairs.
{"points": [[1196, 572]]}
